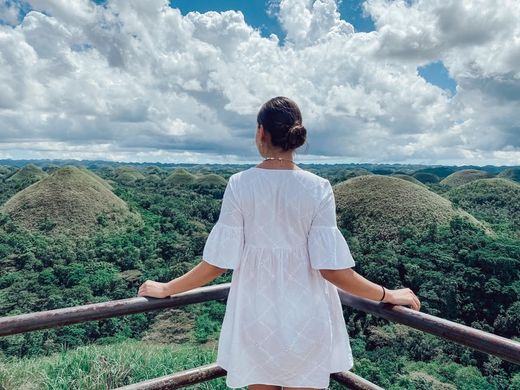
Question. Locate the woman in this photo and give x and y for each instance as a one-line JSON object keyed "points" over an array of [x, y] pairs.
{"points": [[277, 230]]}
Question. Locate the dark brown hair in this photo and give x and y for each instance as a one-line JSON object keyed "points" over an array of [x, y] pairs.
{"points": [[281, 117]]}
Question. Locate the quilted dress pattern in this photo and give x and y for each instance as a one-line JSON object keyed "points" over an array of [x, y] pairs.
{"points": [[283, 323]]}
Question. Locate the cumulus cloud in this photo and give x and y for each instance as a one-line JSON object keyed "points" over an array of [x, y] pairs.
{"points": [[133, 80]]}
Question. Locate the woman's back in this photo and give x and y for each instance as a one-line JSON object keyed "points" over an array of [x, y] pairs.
{"points": [[278, 205], [283, 323]]}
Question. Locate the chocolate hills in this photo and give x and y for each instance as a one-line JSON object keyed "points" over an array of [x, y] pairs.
{"points": [[407, 178], [494, 200], [72, 201], [128, 175], [181, 177], [464, 176], [376, 206], [511, 174], [29, 173], [210, 180]]}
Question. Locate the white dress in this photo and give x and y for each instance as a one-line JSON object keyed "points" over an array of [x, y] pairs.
{"points": [[283, 323]]}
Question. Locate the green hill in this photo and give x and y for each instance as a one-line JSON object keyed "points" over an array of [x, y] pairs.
{"points": [[464, 176], [376, 206], [210, 180], [511, 174], [5, 171], [50, 168], [128, 175], [494, 200], [442, 171], [153, 178], [95, 177], [181, 177], [350, 173], [71, 201], [153, 170], [407, 178], [30, 173], [425, 177]]}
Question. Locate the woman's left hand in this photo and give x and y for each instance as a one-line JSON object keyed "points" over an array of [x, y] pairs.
{"points": [[153, 289]]}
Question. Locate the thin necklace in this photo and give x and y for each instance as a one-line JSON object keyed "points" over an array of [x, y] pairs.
{"points": [[278, 158]]}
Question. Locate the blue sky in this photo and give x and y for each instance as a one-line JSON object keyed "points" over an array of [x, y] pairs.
{"points": [[256, 13]]}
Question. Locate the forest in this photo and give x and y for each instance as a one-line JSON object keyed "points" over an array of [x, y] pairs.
{"points": [[451, 234]]}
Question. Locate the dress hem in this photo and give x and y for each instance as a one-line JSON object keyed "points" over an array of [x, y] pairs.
{"points": [[237, 385]]}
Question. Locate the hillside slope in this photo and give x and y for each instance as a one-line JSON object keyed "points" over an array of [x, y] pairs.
{"points": [[69, 201], [377, 206]]}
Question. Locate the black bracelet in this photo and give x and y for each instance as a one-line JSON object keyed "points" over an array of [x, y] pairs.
{"points": [[384, 292]]}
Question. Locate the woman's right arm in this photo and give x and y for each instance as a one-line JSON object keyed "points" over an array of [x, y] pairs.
{"points": [[355, 284]]}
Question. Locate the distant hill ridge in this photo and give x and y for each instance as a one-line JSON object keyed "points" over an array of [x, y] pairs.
{"points": [[71, 201]]}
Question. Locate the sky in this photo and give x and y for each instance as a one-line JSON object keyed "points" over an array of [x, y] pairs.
{"points": [[377, 81]]}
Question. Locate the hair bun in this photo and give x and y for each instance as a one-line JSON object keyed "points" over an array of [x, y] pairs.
{"points": [[296, 136]]}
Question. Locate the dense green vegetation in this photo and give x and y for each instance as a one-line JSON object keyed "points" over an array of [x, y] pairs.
{"points": [[459, 271]]}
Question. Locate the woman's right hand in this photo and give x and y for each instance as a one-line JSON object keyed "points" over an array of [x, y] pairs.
{"points": [[403, 296]]}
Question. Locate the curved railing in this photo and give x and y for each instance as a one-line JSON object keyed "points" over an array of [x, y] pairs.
{"points": [[474, 338]]}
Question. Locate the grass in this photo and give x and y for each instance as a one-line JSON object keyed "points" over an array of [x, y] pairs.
{"points": [[101, 367], [106, 366]]}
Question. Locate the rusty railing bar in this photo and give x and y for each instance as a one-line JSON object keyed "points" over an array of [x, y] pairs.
{"points": [[477, 339], [212, 371], [180, 379], [354, 381], [23, 323]]}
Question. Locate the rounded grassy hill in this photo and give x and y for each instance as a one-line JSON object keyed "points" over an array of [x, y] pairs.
{"points": [[181, 177], [375, 207], [511, 174], [407, 178], [5, 171], [494, 200], [426, 177], [72, 201], [29, 173], [464, 176], [211, 180], [128, 175]]}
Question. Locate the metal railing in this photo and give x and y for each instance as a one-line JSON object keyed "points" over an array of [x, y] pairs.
{"points": [[477, 339]]}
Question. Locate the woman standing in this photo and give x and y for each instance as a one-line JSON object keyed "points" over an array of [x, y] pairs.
{"points": [[277, 231]]}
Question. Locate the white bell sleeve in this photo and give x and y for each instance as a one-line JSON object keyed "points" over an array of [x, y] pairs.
{"points": [[225, 241], [328, 249]]}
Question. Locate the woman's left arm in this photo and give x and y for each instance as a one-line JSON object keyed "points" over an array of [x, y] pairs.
{"points": [[198, 276]]}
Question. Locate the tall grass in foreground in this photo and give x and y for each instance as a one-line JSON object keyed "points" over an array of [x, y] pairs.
{"points": [[109, 366], [105, 366]]}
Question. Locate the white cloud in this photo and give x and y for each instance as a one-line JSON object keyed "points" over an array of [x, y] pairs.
{"points": [[136, 80]]}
